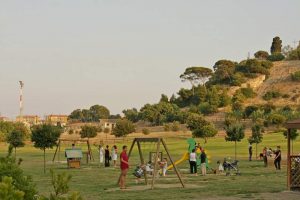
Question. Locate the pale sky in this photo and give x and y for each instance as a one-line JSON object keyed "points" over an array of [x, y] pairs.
{"points": [[124, 53]]}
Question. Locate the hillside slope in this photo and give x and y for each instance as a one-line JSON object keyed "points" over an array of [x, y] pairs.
{"points": [[280, 80]]}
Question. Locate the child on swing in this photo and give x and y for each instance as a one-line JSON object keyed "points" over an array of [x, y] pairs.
{"points": [[164, 166]]}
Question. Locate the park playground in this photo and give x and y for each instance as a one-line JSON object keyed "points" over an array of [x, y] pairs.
{"points": [[97, 182]]}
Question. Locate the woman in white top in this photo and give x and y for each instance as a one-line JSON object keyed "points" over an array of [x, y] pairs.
{"points": [[101, 154], [193, 162], [114, 155]]}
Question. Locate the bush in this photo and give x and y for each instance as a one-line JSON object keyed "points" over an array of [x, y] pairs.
{"points": [[272, 95], [71, 131], [276, 119], [206, 108], [296, 76], [261, 55], [286, 96], [123, 127], [145, 131], [9, 167], [167, 127], [275, 57], [106, 130], [175, 126], [248, 92]]}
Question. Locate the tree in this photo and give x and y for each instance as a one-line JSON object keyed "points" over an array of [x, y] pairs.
{"points": [[16, 139], [8, 191], [262, 55], [88, 131], [123, 127], [164, 98], [224, 71], [44, 137], [235, 133], [99, 112], [76, 115], [200, 127], [5, 128], [293, 136], [256, 136], [60, 183], [196, 75], [132, 114], [276, 45], [10, 168]]}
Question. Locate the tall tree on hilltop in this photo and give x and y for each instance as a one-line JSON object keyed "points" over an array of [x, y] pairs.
{"points": [[196, 75], [276, 45]]}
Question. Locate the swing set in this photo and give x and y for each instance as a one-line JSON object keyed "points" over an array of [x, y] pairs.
{"points": [[154, 157], [89, 155]]}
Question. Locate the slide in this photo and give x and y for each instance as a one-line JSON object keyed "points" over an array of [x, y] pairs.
{"points": [[183, 158]]}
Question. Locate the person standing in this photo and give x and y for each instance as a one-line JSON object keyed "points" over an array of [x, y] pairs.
{"points": [[101, 154], [114, 155], [250, 152], [124, 165], [193, 162], [203, 162], [106, 156], [277, 159], [265, 156]]}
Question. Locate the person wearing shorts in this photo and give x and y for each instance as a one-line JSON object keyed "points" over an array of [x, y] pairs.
{"points": [[124, 165]]}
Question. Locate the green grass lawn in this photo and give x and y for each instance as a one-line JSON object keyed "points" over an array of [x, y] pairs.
{"points": [[95, 182]]}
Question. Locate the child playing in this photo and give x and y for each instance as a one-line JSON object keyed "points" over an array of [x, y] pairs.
{"points": [[221, 168], [164, 166]]}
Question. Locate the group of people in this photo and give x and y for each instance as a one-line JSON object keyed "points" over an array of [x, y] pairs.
{"points": [[193, 161], [268, 152], [106, 155]]}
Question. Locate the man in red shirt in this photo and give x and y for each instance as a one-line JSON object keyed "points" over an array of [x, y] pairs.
{"points": [[124, 167]]}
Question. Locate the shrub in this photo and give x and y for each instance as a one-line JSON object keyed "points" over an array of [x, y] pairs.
{"points": [[275, 57], [106, 130], [296, 76], [9, 167], [248, 92], [145, 131], [286, 96], [175, 126], [123, 127], [271, 95], [71, 131], [206, 108], [261, 55], [167, 127], [276, 119]]}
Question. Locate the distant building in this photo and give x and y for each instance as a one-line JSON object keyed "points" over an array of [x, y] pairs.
{"points": [[4, 119], [57, 120], [108, 123], [29, 119]]}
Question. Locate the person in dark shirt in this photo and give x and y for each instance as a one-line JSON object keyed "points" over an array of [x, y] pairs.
{"points": [[277, 159], [203, 162], [106, 156], [250, 152]]}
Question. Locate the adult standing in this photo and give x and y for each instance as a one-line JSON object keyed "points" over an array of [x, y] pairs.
{"points": [[265, 156], [124, 165], [203, 162], [193, 162], [277, 159], [250, 152], [114, 155], [106, 156]]}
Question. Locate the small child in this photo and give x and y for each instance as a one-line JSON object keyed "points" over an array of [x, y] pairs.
{"points": [[149, 168], [164, 166], [221, 168], [138, 173]]}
